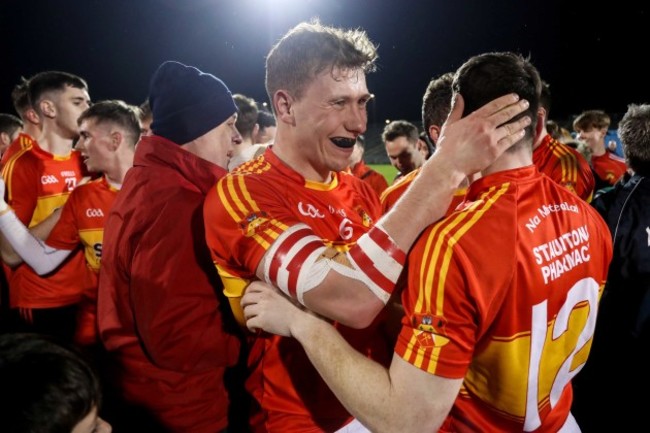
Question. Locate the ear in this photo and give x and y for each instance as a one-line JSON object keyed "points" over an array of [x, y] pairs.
{"points": [[541, 125], [283, 104], [116, 140], [256, 130], [434, 133], [47, 108], [32, 116], [5, 139]]}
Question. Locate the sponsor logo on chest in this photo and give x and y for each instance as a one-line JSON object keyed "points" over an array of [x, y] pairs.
{"points": [[94, 213]]}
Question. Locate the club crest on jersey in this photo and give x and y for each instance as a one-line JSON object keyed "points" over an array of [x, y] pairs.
{"points": [[365, 218], [254, 222], [432, 332]]}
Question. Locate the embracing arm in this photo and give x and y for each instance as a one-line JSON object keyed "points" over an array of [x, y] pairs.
{"points": [[403, 397], [18, 243], [353, 287]]}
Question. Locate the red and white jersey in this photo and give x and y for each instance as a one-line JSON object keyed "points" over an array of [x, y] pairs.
{"points": [[564, 165], [37, 183], [247, 210], [504, 293], [609, 167]]}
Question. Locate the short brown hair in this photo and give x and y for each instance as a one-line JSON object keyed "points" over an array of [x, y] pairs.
{"points": [[310, 48]]}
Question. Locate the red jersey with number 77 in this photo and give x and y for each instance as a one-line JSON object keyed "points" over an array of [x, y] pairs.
{"points": [[504, 293], [37, 183]]}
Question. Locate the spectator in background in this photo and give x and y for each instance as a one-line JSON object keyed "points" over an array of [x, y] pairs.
{"points": [[31, 121], [39, 180], [10, 127], [359, 168], [160, 310], [146, 117], [436, 104], [490, 338], [401, 140], [623, 326], [592, 126], [247, 127], [109, 131], [266, 127], [47, 388], [564, 165]]}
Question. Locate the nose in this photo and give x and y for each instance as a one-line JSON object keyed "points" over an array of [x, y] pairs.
{"points": [[357, 119], [79, 145]]}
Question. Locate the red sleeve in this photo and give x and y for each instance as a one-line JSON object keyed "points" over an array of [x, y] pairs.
{"points": [[21, 176], [242, 221]]}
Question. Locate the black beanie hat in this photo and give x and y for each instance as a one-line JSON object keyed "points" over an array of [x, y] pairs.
{"points": [[187, 103]]}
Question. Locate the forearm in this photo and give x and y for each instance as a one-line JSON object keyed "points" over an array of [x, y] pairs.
{"points": [[424, 202], [20, 243], [361, 385]]}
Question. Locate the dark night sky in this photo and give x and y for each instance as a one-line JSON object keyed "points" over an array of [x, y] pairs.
{"points": [[117, 44]]}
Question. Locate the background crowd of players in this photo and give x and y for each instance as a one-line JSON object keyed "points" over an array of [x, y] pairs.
{"points": [[105, 201]]}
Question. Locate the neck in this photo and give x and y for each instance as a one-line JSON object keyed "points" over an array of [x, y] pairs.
{"points": [[32, 130], [508, 161], [542, 134], [54, 143], [290, 155], [599, 148], [116, 174]]}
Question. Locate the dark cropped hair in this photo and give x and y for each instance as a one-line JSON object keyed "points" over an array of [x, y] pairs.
{"points": [[488, 76], [436, 102], [634, 130], [20, 97], [246, 114], [144, 110], [44, 387], [117, 112], [400, 128], [9, 123], [311, 48], [265, 119], [591, 119], [49, 81]]}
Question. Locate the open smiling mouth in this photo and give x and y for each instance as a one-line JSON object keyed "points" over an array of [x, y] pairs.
{"points": [[343, 142]]}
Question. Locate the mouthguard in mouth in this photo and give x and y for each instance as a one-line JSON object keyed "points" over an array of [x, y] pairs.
{"points": [[343, 142]]}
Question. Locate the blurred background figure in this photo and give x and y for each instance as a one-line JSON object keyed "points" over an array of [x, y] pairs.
{"points": [[401, 140], [359, 168], [563, 164], [10, 127], [47, 388], [266, 126], [146, 117], [247, 126], [591, 127]]}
